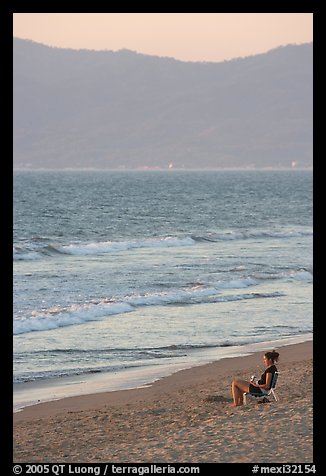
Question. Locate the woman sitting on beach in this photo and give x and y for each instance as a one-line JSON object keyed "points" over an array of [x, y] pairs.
{"points": [[239, 387]]}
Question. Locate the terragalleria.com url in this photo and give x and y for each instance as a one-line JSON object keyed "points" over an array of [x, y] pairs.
{"points": [[154, 469]]}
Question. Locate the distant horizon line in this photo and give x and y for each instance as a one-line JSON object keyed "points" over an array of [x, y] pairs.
{"points": [[159, 56], [157, 169]]}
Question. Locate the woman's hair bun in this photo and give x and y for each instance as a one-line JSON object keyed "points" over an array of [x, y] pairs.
{"points": [[273, 355]]}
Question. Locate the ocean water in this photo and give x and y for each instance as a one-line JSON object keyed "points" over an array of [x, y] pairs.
{"points": [[152, 270]]}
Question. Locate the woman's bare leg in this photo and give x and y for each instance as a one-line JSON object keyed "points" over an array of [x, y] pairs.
{"points": [[239, 387]]}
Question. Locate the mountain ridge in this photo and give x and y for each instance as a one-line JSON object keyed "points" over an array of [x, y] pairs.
{"points": [[105, 109]]}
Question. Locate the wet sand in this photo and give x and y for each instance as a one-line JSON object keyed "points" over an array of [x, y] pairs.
{"points": [[185, 417]]}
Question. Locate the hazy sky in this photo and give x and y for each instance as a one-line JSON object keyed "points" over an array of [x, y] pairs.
{"points": [[185, 36]]}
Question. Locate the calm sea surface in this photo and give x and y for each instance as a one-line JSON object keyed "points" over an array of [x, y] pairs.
{"points": [[121, 270]]}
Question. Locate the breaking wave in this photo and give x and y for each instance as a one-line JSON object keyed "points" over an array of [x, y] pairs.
{"points": [[40, 249]]}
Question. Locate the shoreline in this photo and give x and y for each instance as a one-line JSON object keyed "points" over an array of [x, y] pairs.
{"points": [[171, 382], [29, 394], [184, 417]]}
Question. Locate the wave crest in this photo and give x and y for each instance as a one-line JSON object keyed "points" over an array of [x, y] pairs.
{"points": [[37, 249]]}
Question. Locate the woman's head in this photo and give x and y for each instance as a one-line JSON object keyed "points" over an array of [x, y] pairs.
{"points": [[271, 356]]}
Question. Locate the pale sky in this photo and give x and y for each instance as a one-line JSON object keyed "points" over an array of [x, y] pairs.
{"points": [[184, 36]]}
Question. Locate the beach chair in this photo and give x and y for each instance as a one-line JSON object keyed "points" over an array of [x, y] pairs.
{"points": [[267, 394]]}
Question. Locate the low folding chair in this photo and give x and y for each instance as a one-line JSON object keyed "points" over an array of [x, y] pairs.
{"points": [[271, 391]]}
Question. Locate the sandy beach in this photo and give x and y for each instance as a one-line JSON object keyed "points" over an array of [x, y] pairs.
{"points": [[185, 417]]}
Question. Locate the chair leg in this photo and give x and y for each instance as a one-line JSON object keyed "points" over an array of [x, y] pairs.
{"points": [[274, 395], [245, 399]]}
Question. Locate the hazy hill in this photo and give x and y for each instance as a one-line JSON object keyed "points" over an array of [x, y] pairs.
{"points": [[81, 108]]}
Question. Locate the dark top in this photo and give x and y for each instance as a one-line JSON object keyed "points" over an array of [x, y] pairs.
{"points": [[270, 370], [253, 389]]}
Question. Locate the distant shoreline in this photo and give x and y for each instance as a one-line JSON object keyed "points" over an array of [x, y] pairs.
{"points": [[154, 169]]}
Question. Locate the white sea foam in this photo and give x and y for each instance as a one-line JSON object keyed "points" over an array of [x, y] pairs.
{"points": [[36, 250], [75, 314], [113, 247]]}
